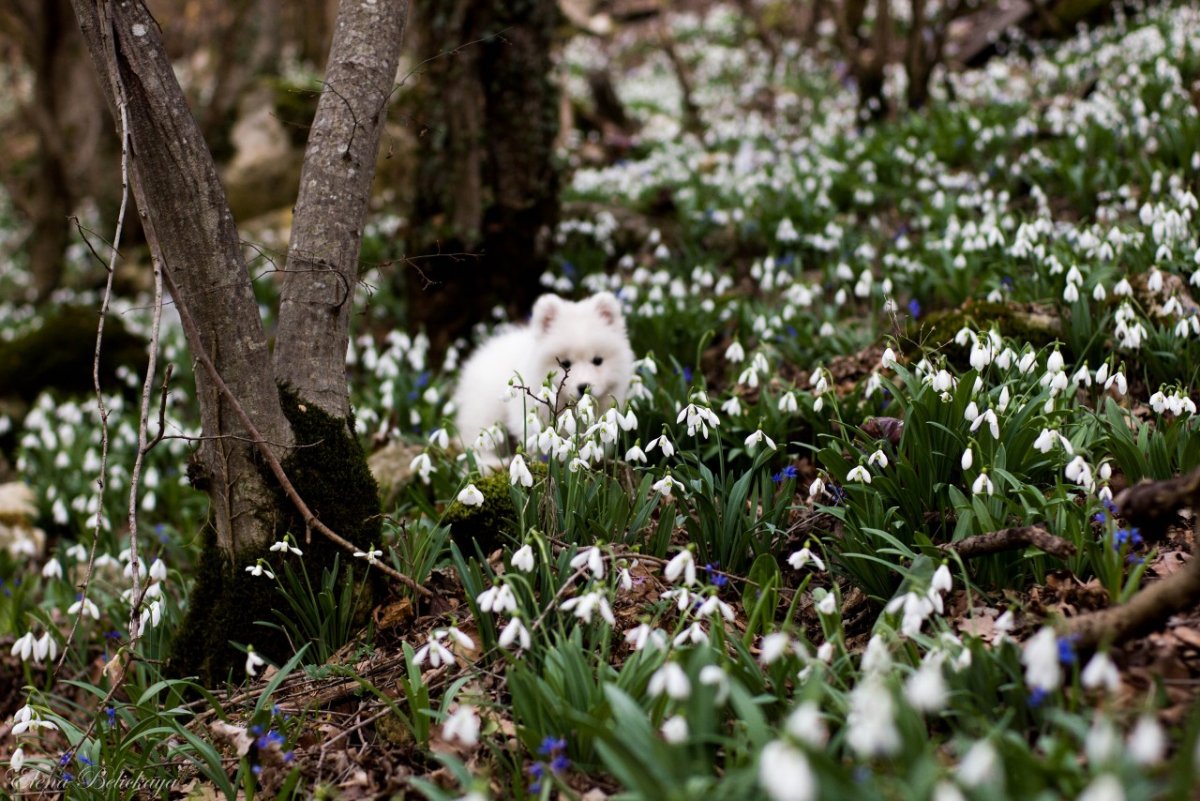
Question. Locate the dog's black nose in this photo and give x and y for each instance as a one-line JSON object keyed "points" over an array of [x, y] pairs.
{"points": [[583, 388]]}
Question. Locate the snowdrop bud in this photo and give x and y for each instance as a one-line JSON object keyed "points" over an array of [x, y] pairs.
{"points": [[675, 730], [784, 773], [1147, 743], [968, 458], [1054, 364]]}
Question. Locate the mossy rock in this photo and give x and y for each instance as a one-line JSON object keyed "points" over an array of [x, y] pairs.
{"points": [[58, 354], [487, 524], [228, 604]]}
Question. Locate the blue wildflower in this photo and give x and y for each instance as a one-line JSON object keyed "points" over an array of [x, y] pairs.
{"points": [[715, 577], [1037, 697], [560, 763], [1066, 650]]}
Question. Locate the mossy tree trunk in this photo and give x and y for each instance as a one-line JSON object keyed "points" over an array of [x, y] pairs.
{"points": [[301, 399], [487, 185]]}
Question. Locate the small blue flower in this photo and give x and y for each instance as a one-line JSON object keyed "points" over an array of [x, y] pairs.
{"points": [[112, 715], [537, 770], [65, 759], [1123, 536], [256, 769], [560, 763], [423, 378], [85, 760], [552, 745], [1066, 650], [716, 578], [1037, 697], [788, 472]]}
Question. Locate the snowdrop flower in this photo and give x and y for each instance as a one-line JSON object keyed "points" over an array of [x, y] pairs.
{"points": [[52, 569], [1101, 672], [1147, 743], [586, 605], [683, 563], [878, 458], [23, 647], [993, 423], [470, 496], [372, 555], [876, 658], [422, 465], [1105, 787], [942, 580], [825, 652], [463, 726], [1102, 744], [735, 353], [515, 631], [1045, 440], [888, 360], [646, 636], [253, 661], [668, 450], [45, 647], [828, 604], [666, 485], [259, 568], [968, 458], [926, 688], [497, 599], [806, 724], [433, 651], [26, 719], [715, 676], [670, 679], [281, 545], [817, 488], [675, 730], [1054, 364], [17, 760], [802, 557], [692, 635], [982, 485], [593, 558], [88, 608], [522, 559], [1079, 471], [980, 766], [774, 647], [942, 381], [1040, 657], [788, 404], [439, 438], [859, 474], [784, 773], [732, 406], [1117, 379], [870, 724], [518, 472], [76, 551], [947, 791], [698, 418], [635, 454], [756, 439]]}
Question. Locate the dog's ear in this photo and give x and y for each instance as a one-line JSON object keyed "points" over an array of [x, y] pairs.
{"points": [[609, 309], [545, 311]]}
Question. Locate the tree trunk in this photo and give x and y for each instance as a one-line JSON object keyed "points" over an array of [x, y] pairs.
{"points": [[191, 232], [335, 186], [486, 182]]}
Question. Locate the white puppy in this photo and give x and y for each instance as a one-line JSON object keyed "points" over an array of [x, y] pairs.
{"points": [[583, 342]]}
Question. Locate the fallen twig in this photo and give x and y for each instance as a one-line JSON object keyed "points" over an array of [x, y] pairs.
{"points": [[1008, 539]]}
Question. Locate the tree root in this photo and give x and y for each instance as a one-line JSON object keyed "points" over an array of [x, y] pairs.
{"points": [[1007, 539]]}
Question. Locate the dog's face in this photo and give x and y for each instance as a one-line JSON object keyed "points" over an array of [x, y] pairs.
{"points": [[583, 342]]}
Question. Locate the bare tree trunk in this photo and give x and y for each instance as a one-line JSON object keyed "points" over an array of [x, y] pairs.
{"points": [[486, 182], [335, 185], [191, 232]]}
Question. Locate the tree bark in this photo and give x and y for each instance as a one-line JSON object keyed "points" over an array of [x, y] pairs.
{"points": [[190, 229], [486, 182], [335, 186]]}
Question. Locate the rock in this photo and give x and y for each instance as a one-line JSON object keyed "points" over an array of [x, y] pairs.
{"points": [[390, 466]]}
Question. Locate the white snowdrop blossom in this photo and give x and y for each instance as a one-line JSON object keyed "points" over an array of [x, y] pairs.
{"points": [[422, 465], [661, 442], [52, 569], [586, 605], [682, 564], [758, 438], [253, 661], [980, 766], [434, 652], [1101, 672], [715, 676], [522, 559], [497, 599], [518, 472], [85, 605], [993, 423], [1105, 787], [675, 730], [671, 680], [635, 454], [879, 459], [784, 773], [982, 485], [1040, 657], [666, 485], [817, 488], [260, 568], [788, 403], [968, 458], [870, 724], [372, 555], [828, 604], [735, 353], [593, 558], [807, 725], [463, 726], [470, 496], [645, 636], [698, 418], [516, 632], [774, 647], [860, 474], [802, 557], [1147, 743]]}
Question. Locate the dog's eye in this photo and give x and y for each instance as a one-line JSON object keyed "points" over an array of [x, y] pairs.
{"points": [[564, 364], [599, 360]]}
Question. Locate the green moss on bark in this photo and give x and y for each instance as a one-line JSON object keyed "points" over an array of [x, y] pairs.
{"points": [[329, 470]]}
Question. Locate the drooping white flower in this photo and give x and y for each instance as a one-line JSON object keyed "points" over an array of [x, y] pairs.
{"points": [[1040, 657], [982, 484], [774, 647], [817, 488], [586, 605], [806, 724], [1101, 672], [52, 569], [980, 766], [518, 472], [968, 458], [784, 773], [878, 458], [1103, 743], [671, 680], [470, 496], [1147, 743], [666, 485], [802, 557], [870, 724], [85, 605], [715, 676], [675, 730], [433, 651], [253, 661], [646, 636], [735, 353], [497, 599], [683, 563], [926, 688], [1105, 787], [860, 474], [516, 632], [828, 604], [756, 439], [463, 726], [593, 558], [522, 559]]}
